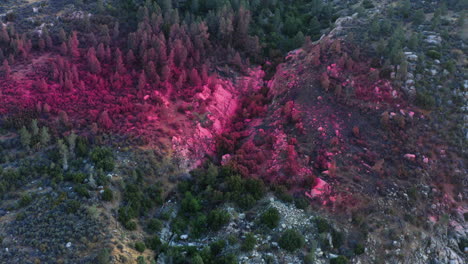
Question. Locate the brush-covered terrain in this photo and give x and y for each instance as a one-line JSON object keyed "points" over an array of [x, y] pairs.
{"points": [[236, 131]]}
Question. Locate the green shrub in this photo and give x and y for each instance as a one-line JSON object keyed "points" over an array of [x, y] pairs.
{"points": [[270, 218], [291, 240], [82, 190], [140, 246], [282, 193], [103, 158], [339, 260], [309, 258], [359, 249], [190, 204], [72, 206], [367, 4], [25, 200], [217, 219], [337, 238], [107, 195], [198, 225], [255, 187], [301, 203], [245, 201], [130, 225], [78, 177], [20, 216], [322, 225], [103, 256], [249, 243], [154, 243], [141, 260], [154, 225], [81, 147], [217, 247], [197, 259], [433, 54], [425, 100]]}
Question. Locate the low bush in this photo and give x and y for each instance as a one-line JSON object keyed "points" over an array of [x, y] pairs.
{"points": [[107, 195], [339, 260], [140, 246], [270, 218], [154, 225], [291, 240], [217, 219], [249, 243]]}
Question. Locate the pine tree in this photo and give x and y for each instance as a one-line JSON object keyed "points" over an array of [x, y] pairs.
{"points": [[104, 120], [101, 52], [63, 150], [151, 71], [47, 38], [115, 31], [142, 81], [195, 78], [44, 138], [34, 127], [62, 35], [73, 44], [130, 58], [71, 140], [180, 53], [93, 63], [42, 44], [119, 65], [63, 117], [325, 81], [237, 61], [165, 73], [6, 69], [67, 85], [402, 70], [25, 137], [166, 5], [4, 36], [63, 49]]}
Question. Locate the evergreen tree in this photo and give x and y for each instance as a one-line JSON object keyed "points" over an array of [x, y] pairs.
{"points": [[6, 69], [195, 78], [4, 36], [142, 81], [93, 63], [25, 137], [44, 138], [71, 140], [130, 58], [73, 44], [34, 127], [63, 153], [324, 81]]}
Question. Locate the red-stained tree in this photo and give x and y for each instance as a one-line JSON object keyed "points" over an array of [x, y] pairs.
{"points": [[93, 63]]}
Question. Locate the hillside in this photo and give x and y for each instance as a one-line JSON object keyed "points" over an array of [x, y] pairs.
{"points": [[233, 131]]}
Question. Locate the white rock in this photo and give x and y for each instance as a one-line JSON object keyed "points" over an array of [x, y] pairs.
{"points": [[68, 245], [183, 237]]}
